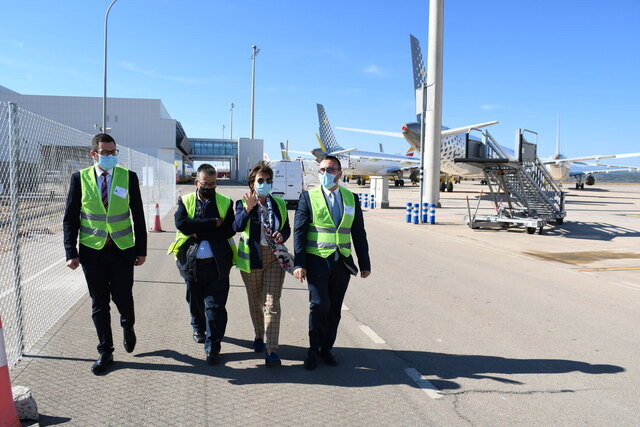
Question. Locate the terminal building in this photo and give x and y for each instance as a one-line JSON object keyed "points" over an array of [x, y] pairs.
{"points": [[144, 125]]}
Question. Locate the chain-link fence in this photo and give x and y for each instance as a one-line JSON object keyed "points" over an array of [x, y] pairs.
{"points": [[37, 158]]}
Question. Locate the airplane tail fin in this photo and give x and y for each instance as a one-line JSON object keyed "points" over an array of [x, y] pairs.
{"points": [[285, 152], [410, 152], [328, 140], [419, 72]]}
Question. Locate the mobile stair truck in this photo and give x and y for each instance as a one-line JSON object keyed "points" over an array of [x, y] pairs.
{"points": [[524, 194]]}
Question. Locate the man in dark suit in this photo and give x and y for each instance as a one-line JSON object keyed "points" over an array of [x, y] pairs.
{"points": [[205, 252], [102, 201], [328, 223]]}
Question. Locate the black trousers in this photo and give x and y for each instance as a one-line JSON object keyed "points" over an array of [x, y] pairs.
{"points": [[109, 274], [214, 292], [195, 299], [327, 281]]}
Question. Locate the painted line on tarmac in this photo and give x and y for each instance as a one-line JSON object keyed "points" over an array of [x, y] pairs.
{"points": [[627, 285], [607, 269], [424, 383], [371, 334]]}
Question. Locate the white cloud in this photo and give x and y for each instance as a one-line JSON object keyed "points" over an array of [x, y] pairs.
{"points": [[153, 73], [489, 107], [375, 70]]}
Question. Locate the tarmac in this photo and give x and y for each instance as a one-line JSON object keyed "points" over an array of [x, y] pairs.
{"points": [[454, 327]]}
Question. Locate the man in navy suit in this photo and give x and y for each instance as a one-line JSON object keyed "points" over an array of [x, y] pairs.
{"points": [[104, 209], [328, 225]]}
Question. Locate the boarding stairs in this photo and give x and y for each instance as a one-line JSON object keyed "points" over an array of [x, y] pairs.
{"points": [[523, 191]]}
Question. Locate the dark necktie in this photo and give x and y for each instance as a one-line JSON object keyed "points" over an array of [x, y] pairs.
{"points": [[105, 199]]}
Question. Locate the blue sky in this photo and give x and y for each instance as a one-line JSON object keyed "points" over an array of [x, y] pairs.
{"points": [[519, 62]]}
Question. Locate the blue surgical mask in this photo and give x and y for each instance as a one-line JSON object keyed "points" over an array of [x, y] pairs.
{"points": [[107, 162], [263, 189], [327, 180]]}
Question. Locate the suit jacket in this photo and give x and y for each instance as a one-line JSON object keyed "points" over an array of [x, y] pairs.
{"points": [[304, 217], [71, 221], [240, 223], [204, 228]]}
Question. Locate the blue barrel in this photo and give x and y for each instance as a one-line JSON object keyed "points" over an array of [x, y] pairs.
{"points": [[407, 217], [366, 200], [373, 201], [415, 212], [432, 213], [424, 211]]}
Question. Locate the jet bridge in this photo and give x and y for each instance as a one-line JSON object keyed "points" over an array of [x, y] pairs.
{"points": [[524, 193]]}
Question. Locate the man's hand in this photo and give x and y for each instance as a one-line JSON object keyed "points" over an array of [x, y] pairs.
{"points": [[251, 200], [140, 260], [218, 222], [277, 236], [364, 274], [300, 274], [73, 263]]}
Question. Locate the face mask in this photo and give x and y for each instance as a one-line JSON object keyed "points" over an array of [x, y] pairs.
{"points": [[207, 193], [263, 189], [107, 162], [327, 180]]}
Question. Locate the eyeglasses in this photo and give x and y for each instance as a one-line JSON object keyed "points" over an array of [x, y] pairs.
{"points": [[206, 184], [262, 180], [328, 170], [108, 152]]}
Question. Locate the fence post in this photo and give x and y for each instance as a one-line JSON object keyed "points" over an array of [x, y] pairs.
{"points": [[14, 180]]}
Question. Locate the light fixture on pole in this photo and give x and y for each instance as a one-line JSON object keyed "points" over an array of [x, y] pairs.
{"points": [[104, 96], [223, 131], [256, 51], [231, 109]]}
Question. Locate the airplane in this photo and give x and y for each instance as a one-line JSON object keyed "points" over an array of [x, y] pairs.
{"points": [[454, 142], [361, 163]]}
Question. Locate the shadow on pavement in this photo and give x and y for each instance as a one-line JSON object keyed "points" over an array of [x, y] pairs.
{"points": [[359, 367], [590, 231]]}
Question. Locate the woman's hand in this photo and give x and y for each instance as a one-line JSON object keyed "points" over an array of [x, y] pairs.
{"points": [[277, 236], [251, 200]]}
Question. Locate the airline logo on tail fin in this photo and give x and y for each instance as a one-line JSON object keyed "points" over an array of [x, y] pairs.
{"points": [[322, 147], [285, 153], [419, 72], [326, 133], [410, 152]]}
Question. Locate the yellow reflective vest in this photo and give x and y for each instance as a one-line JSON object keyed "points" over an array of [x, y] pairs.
{"points": [[244, 260], [189, 201], [96, 222], [324, 237]]}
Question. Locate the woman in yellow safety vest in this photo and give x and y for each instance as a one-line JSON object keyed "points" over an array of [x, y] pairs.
{"points": [[262, 219]]}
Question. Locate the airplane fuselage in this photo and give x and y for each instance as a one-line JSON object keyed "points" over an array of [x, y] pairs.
{"points": [[366, 163]]}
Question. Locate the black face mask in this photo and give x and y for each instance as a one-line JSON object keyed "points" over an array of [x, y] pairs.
{"points": [[207, 193]]}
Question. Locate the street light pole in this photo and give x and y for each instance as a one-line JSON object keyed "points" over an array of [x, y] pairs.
{"points": [[231, 130], [256, 51], [104, 97], [223, 131]]}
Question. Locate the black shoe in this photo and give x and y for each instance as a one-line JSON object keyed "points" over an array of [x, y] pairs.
{"points": [[311, 361], [328, 358], [258, 345], [129, 339], [213, 358], [199, 337], [101, 364], [272, 359]]}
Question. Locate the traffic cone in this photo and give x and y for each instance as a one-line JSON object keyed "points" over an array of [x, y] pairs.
{"points": [[157, 228], [8, 414]]}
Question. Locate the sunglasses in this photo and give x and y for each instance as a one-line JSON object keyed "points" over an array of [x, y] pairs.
{"points": [[329, 170], [262, 180]]}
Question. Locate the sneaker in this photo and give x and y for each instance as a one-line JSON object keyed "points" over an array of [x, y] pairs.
{"points": [[272, 359], [258, 345]]}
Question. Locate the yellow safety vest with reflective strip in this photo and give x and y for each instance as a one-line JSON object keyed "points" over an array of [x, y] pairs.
{"points": [[189, 201], [323, 236], [96, 222], [244, 260]]}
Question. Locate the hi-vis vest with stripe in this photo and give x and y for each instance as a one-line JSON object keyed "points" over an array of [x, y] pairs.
{"points": [[324, 237], [95, 221], [189, 201], [244, 260]]}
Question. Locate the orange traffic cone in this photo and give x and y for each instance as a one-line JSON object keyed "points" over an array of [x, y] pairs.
{"points": [[157, 228], [8, 414]]}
